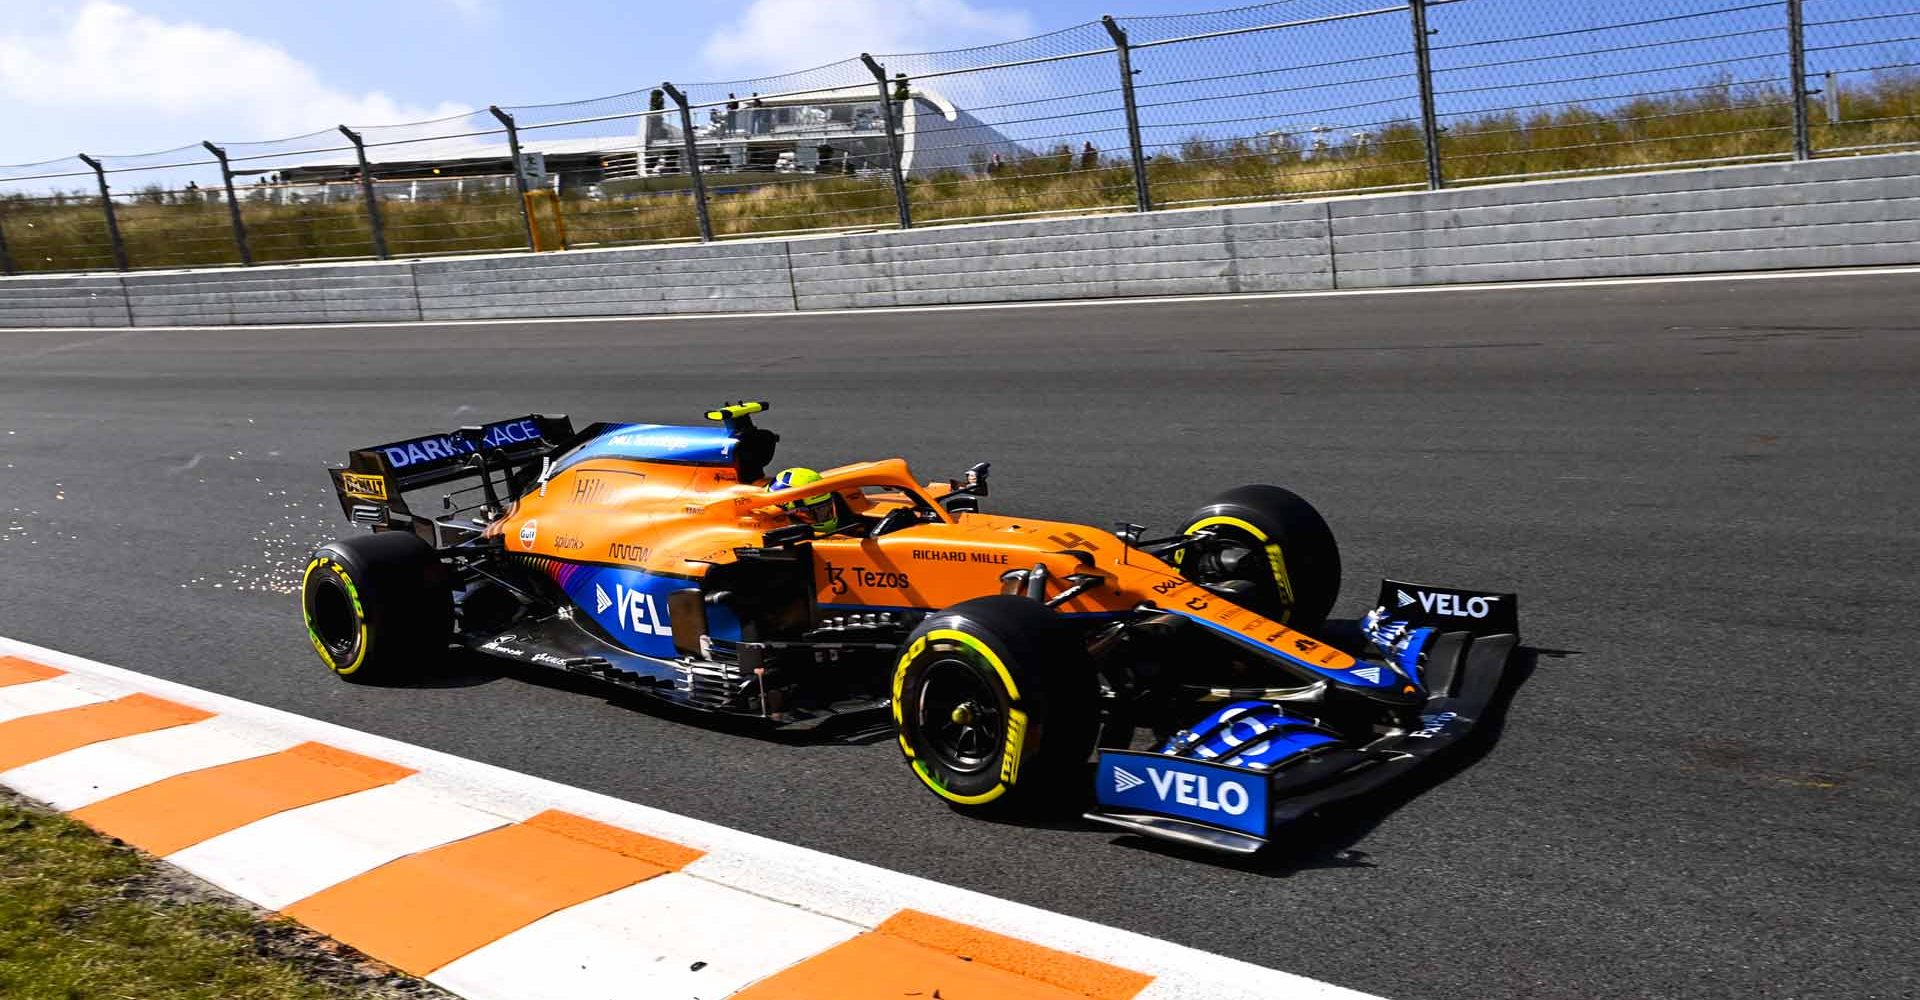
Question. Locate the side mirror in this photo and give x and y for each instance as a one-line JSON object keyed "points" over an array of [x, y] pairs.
{"points": [[961, 503], [973, 482]]}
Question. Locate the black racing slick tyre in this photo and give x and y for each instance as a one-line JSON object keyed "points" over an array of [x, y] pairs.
{"points": [[995, 703], [378, 608], [1280, 559]]}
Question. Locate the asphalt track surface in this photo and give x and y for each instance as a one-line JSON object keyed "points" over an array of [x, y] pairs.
{"points": [[1704, 493]]}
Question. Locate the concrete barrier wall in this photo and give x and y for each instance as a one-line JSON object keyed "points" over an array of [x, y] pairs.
{"points": [[1854, 211], [720, 277], [1826, 213], [1254, 248], [64, 300], [332, 293]]}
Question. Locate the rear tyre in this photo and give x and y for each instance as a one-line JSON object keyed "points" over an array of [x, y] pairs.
{"points": [[378, 608], [1279, 558], [995, 703]]}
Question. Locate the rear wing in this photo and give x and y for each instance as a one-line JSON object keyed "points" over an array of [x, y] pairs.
{"points": [[372, 485]]}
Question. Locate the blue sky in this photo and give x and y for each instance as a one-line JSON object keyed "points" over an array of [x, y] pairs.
{"points": [[124, 76], [132, 76]]}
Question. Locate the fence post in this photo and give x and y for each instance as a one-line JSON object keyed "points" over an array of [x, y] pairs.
{"points": [[233, 205], [106, 203], [893, 139], [1797, 68], [6, 259], [1429, 122], [1142, 197], [519, 172], [690, 153], [366, 191]]}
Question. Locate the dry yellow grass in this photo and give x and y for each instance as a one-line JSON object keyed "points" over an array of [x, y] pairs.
{"points": [[1710, 124]]}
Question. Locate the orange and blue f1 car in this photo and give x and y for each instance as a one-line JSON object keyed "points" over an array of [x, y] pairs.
{"points": [[1193, 678]]}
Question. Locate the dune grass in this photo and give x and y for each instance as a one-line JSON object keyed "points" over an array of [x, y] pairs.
{"points": [[1709, 123], [82, 918]]}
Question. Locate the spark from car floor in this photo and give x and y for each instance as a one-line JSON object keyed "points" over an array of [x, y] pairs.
{"points": [[283, 545]]}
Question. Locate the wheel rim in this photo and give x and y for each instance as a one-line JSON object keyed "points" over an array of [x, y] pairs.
{"points": [[1242, 558], [332, 617], [960, 717]]}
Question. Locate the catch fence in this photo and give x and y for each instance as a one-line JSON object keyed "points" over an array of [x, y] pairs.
{"points": [[1303, 98]]}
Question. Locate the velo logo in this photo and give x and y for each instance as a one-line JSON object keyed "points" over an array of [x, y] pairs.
{"points": [[1195, 791], [634, 610], [1451, 605]]}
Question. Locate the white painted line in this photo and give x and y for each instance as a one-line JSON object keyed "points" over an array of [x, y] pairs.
{"points": [[1509, 286], [84, 776], [642, 942], [17, 701], [292, 855], [807, 880]]}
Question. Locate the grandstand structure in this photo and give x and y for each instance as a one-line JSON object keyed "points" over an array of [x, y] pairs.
{"points": [[839, 131]]}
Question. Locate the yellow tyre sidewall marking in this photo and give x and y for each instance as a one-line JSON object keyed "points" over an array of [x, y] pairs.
{"points": [[1016, 719], [1274, 557], [360, 616], [306, 613], [920, 768], [900, 713]]}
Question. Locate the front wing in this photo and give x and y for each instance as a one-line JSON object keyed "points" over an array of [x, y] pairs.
{"points": [[1240, 809]]}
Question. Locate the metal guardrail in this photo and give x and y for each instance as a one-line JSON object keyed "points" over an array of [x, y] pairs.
{"points": [[1304, 98]]}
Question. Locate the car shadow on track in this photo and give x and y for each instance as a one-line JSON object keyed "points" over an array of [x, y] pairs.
{"points": [[1327, 838], [459, 669], [1323, 840], [466, 669]]}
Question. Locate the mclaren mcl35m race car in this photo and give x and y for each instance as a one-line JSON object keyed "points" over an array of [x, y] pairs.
{"points": [[1193, 678]]}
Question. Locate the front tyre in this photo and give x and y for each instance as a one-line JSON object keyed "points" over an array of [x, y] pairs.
{"points": [[995, 704], [1275, 554], [378, 608]]}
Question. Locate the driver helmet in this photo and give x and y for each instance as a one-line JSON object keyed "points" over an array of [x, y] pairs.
{"points": [[817, 510]]}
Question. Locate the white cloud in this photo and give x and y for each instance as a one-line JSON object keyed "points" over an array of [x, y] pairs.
{"points": [[472, 10], [778, 36], [111, 79]]}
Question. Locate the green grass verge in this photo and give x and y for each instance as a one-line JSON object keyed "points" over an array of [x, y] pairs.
{"points": [[82, 917]]}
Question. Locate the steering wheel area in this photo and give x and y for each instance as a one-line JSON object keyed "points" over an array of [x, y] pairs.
{"points": [[895, 519]]}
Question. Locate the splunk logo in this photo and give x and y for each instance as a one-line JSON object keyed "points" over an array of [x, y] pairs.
{"points": [[441, 447], [1196, 791]]}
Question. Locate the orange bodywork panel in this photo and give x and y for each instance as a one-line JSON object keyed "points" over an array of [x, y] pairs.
{"points": [[652, 516], [677, 520], [935, 565], [668, 518]]}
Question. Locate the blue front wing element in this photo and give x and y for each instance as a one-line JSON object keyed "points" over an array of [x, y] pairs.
{"points": [[1248, 734], [1399, 644], [1217, 772], [1251, 767], [1212, 794]]}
